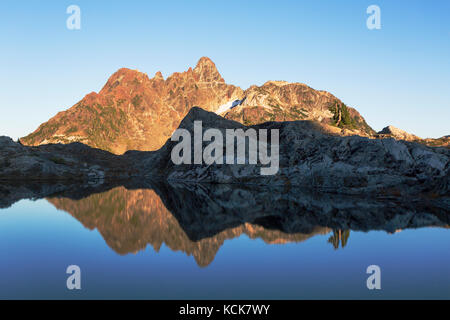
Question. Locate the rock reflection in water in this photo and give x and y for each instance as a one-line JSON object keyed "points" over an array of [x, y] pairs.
{"points": [[197, 219], [129, 220]]}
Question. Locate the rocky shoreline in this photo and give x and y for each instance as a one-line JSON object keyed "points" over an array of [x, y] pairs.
{"points": [[309, 158]]}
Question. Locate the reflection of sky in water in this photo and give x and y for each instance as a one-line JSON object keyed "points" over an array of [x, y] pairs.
{"points": [[38, 242]]}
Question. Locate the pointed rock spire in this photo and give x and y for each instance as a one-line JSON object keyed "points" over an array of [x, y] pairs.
{"points": [[158, 76], [206, 71]]}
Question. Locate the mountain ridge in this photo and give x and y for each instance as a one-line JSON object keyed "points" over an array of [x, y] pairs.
{"points": [[135, 112]]}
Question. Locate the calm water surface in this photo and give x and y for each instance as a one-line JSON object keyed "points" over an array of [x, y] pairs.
{"points": [[128, 244]]}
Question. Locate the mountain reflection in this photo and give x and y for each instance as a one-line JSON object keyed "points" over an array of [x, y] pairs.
{"points": [[197, 219], [129, 220]]}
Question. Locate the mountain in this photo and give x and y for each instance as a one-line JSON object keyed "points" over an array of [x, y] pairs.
{"points": [[129, 220], [135, 112], [284, 101]]}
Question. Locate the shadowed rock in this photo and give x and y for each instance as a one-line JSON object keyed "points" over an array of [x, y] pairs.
{"points": [[308, 157]]}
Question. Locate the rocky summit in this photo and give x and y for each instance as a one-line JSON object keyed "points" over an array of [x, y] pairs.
{"points": [[284, 101], [135, 112]]}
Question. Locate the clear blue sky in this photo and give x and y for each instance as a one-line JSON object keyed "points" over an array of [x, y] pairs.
{"points": [[398, 75]]}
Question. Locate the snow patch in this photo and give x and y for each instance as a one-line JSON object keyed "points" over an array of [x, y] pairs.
{"points": [[229, 105]]}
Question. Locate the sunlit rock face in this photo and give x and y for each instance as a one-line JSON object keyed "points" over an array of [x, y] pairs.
{"points": [[284, 101], [135, 112], [399, 134]]}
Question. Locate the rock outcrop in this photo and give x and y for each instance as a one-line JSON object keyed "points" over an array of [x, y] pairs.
{"points": [[74, 162], [309, 157], [399, 134]]}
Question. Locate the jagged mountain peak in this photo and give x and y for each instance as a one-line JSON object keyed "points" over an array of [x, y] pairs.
{"points": [[206, 71], [158, 76], [133, 112], [205, 61]]}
